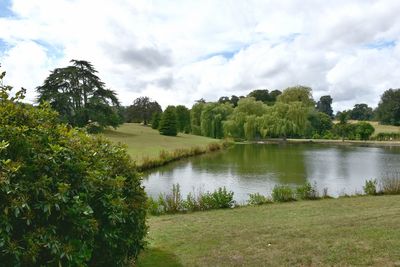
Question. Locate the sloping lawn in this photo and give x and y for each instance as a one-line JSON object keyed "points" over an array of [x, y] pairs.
{"points": [[334, 232]]}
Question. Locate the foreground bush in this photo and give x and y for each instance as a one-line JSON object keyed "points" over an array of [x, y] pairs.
{"points": [[66, 198], [283, 193]]}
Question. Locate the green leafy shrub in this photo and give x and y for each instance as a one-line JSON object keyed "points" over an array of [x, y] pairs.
{"points": [[219, 199], [66, 198], [307, 191], [282, 193], [370, 187], [258, 199]]}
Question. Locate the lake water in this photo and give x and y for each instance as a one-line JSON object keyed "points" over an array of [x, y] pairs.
{"points": [[251, 168]]}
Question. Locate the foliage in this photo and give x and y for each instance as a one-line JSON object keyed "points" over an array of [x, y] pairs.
{"points": [[174, 203], [320, 122], [361, 112], [307, 191], [388, 111], [370, 187], [183, 119], [301, 94], [258, 199], [155, 120], [79, 96], [324, 105], [142, 110], [283, 193], [168, 125], [211, 118], [219, 199], [364, 130], [66, 198], [195, 117], [387, 137]]}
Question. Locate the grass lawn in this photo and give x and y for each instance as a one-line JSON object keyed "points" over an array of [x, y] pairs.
{"points": [[340, 232], [143, 141], [384, 128]]}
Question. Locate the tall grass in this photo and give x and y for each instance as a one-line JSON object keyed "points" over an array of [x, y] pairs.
{"points": [[165, 157], [390, 184], [221, 198]]}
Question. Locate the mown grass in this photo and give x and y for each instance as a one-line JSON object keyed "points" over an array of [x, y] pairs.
{"points": [[332, 232], [145, 143]]}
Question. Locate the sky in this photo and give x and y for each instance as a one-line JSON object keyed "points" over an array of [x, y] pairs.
{"points": [[177, 52]]}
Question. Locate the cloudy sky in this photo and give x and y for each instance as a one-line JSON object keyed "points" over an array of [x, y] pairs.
{"points": [[179, 51]]}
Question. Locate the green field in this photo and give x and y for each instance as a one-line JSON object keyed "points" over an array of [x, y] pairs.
{"points": [[334, 232], [143, 141], [384, 128]]}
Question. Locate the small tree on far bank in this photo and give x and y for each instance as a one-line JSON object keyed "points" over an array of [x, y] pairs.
{"points": [[168, 125]]}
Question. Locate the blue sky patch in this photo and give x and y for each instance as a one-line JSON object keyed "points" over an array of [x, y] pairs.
{"points": [[51, 50], [382, 44], [5, 8]]}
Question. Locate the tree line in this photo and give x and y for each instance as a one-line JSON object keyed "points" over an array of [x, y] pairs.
{"points": [[83, 100]]}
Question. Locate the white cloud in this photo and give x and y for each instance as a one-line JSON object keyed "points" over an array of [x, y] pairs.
{"points": [[179, 51]]}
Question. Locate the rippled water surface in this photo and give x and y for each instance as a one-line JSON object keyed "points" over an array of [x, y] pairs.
{"points": [[251, 168]]}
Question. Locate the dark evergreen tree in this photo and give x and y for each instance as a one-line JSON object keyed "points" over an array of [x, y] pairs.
{"points": [[79, 96], [155, 120], [168, 125], [234, 100], [361, 112], [324, 105], [183, 119]]}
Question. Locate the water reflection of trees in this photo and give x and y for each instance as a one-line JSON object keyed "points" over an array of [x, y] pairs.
{"points": [[282, 163]]}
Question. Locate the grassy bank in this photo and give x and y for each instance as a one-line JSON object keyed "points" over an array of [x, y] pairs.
{"points": [[346, 231], [146, 143]]}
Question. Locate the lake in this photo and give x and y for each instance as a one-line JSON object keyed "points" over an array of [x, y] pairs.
{"points": [[251, 168]]}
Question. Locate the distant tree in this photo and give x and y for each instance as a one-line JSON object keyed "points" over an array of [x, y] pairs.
{"points": [[183, 119], [297, 94], [142, 110], [324, 105], [168, 125], [260, 95], [234, 100], [361, 112], [224, 99], [201, 100], [388, 111], [195, 117], [155, 120], [273, 95], [79, 96]]}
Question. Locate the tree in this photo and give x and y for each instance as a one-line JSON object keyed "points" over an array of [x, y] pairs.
{"points": [[234, 100], [211, 118], [364, 130], [388, 111], [79, 96], [320, 122], [224, 99], [195, 117], [361, 112], [155, 120], [67, 198], [260, 95], [168, 125], [297, 94], [183, 119], [324, 105], [142, 110]]}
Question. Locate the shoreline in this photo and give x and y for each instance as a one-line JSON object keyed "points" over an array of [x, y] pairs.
{"points": [[323, 141]]}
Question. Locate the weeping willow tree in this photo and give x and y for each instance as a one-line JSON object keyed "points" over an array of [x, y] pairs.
{"points": [[212, 116], [79, 96]]}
